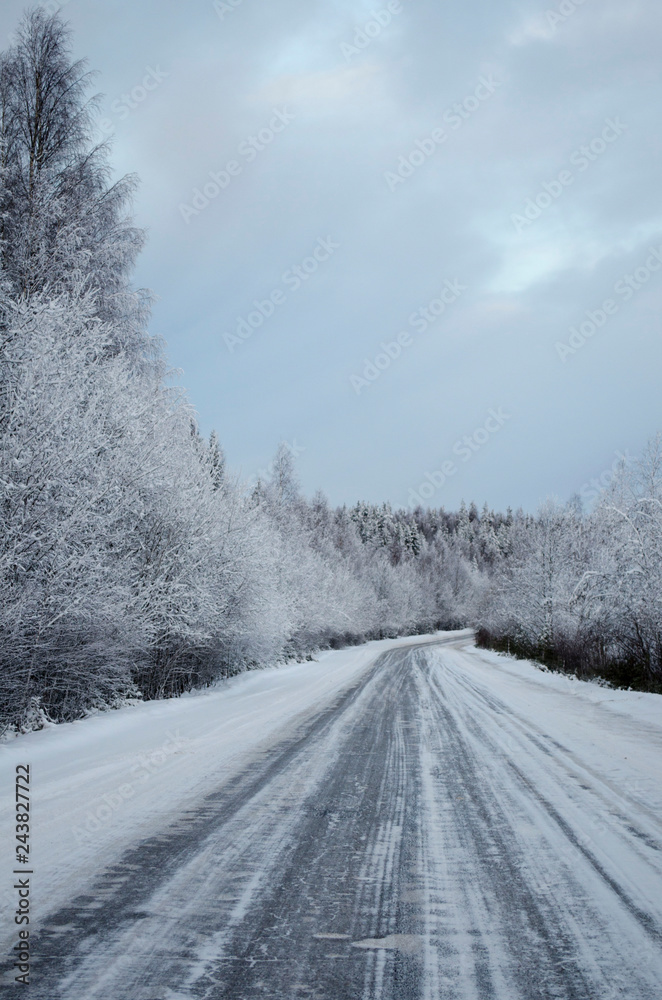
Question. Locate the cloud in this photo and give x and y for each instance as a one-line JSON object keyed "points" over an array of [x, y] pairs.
{"points": [[452, 219], [326, 91], [532, 29]]}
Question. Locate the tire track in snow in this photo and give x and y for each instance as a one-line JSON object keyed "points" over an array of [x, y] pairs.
{"points": [[98, 922], [196, 908], [603, 803], [413, 842], [564, 927]]}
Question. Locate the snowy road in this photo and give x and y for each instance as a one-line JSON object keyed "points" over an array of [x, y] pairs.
{"points": [[450, 824]]}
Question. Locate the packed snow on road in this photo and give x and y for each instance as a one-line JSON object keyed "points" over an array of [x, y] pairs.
{"points": [[409, 818]]}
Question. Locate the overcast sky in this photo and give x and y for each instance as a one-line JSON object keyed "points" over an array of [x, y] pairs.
{"points": [[458, 186]]}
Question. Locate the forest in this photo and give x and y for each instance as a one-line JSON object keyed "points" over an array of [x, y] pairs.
{"points": [[134, 564]]}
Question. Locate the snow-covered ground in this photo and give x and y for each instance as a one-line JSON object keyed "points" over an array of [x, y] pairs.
{"points": [[542, 812], [104, 783], [447, 822], [617, 732]]}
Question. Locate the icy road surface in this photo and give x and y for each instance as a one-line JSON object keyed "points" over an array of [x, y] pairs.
{"points": [[436, 822]]}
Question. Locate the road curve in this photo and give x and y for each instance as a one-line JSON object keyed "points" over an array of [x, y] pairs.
{"points": [[420, 839]]}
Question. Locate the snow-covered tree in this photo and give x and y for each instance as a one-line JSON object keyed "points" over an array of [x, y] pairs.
{"points": [[62, 224], [132, 563]]}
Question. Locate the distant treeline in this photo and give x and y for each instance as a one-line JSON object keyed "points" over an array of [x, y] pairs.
{"points": [[133, 564]]}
